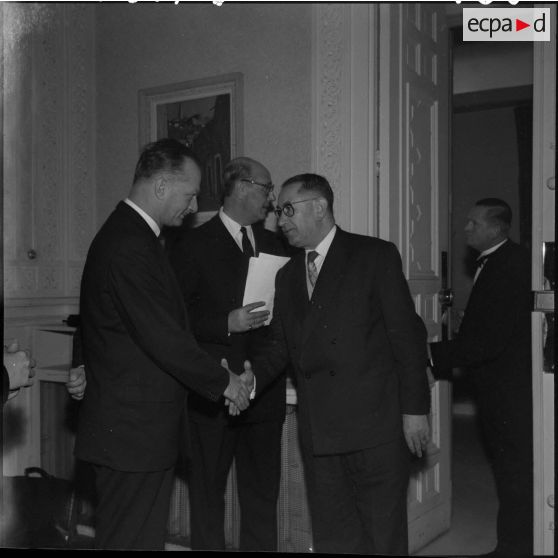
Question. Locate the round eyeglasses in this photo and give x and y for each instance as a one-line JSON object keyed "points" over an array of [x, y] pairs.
{"points": [[267, 187], [288, 210]]}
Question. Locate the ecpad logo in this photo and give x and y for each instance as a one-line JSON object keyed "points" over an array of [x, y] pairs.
{"points": [[506, 24]]}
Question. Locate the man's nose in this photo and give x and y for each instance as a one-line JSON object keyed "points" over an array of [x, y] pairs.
{"points": [[271, 196], [193, 207]]}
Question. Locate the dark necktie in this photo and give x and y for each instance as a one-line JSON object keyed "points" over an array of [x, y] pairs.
{"points": [[311, 267], [246, 244]]}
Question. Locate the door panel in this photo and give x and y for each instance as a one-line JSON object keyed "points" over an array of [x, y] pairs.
{"points": [[414, 199], [543, 277]]}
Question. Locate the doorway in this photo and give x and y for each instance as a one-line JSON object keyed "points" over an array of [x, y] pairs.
{"points": [[491, 131], [491, 156]]}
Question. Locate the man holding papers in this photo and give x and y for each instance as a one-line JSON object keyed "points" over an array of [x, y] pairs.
{"points": [[212, 262]]}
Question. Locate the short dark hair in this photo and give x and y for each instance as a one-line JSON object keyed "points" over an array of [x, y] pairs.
{"points": [[240, 167], [310, 182], [166, 154], [498, 212]]}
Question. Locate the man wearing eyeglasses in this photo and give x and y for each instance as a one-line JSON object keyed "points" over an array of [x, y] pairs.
{"points": [[211, 262], [344, 319]]}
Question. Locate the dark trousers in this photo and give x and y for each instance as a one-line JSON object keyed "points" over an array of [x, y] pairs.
{"points": [[507, 428], [256, 449], [132, 509], [358, 500]]}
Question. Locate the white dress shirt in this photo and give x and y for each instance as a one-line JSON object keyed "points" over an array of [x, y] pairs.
{"points": [[147, 218], [234, 229]]}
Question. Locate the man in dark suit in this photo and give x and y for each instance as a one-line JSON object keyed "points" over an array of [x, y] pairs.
{"points": [[140, 354], [344, 319], [211, 262], [494, 343]]}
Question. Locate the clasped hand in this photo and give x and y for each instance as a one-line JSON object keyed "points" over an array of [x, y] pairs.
{"points": [[19, 366], [76, 383], [237, 394]]}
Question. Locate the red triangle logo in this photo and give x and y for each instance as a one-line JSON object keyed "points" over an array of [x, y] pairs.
{"points": [[519, 25]]}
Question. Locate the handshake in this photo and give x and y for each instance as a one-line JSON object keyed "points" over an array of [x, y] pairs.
{"points": [[238, 392]]}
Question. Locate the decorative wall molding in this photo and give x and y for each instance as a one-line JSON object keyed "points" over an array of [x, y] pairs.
{"points": [[331, 47], [344, 110], [30, 312]]}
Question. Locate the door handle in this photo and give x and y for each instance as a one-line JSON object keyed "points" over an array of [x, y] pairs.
{"points": [[445, 297], [542, 301]]}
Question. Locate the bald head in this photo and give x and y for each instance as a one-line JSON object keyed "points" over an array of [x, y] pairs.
{"points": [[236, 169], [248, 191]]}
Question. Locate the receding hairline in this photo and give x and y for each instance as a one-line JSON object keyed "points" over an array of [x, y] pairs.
{"points": [[249, 163]]}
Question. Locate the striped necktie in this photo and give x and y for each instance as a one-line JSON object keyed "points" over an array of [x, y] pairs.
{"points": [[311, 267]]}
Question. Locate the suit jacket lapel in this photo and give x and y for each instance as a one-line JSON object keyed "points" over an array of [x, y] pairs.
{"points": [[490, 271], [329, 281], [229, 258], [224, 243], [298, 303]]}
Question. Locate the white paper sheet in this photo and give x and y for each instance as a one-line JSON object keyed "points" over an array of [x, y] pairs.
{"points": [[260, 282]]}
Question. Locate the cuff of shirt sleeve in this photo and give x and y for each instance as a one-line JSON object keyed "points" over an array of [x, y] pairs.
{"points": [[253, 392]]}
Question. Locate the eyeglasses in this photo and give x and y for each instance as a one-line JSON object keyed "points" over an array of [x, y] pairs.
{"points": [[267, 187], [288, 210]]}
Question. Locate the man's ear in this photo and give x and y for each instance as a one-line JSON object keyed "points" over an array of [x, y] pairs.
{"points": [[160, 187], [320, 207]]}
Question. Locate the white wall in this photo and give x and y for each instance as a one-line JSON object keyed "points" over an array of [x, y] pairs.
{"points": [[147, 45]]}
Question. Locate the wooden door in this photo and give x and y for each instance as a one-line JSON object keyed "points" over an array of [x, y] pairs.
{"points": [[414, 76]]}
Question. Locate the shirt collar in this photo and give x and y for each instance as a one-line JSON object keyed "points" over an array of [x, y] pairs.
{"points": [[323, 247], [147, 218], [493, 249], [231, 225]]}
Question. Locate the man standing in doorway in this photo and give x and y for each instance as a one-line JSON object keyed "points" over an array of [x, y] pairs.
{"points": [[211, 262], [345, 320], [494, 343]]}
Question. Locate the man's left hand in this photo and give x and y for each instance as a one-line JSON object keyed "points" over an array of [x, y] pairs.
{"points": [[417, 433]]}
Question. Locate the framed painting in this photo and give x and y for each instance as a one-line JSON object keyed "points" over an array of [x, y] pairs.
{"points": [[206, 114]]}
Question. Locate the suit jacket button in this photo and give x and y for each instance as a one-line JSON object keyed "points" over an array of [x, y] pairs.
{"points": [[334, 341], [325, 326], [332, 372]]}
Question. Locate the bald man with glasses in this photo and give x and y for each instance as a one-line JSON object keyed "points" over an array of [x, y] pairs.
{"points": [[211, 263]]}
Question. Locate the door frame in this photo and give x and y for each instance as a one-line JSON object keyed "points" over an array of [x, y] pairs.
{"points": [[544, 168]]}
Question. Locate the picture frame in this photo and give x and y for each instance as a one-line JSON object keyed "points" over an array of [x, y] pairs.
{"points": [[207, 115]]}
